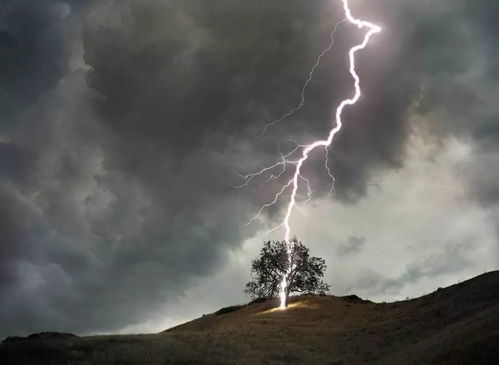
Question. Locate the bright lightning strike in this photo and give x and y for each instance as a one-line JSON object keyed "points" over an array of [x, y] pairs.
{"points": [[298, 162]]}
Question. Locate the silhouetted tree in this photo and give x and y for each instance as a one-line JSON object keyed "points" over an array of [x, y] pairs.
{"points": [[304, 275]]}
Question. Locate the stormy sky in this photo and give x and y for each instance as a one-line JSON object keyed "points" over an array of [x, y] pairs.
{"points": [[122, 124]]}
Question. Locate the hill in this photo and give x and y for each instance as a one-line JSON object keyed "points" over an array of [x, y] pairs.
{"points": [[455, 325]]}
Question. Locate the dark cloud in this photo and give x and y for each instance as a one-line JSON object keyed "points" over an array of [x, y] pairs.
{"points": [[116, 184], [32, 39], [351, 246]]}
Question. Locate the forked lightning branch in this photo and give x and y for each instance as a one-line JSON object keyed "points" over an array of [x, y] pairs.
{"points": [[293, 162]]}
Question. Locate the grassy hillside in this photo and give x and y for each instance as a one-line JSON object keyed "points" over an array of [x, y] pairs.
{"points": [[456, 325]]}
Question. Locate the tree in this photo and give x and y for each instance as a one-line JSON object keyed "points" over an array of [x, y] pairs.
{"points": [[303, 274]]}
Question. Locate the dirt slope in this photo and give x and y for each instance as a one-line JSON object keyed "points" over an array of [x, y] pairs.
{"points": [[456, 325]]}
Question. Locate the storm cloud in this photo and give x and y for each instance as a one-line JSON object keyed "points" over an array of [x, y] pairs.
{"points": [[123, 122]]}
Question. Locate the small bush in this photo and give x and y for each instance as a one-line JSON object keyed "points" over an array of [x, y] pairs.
{"points": [[258, 300], [355, 299], [226, 310]]}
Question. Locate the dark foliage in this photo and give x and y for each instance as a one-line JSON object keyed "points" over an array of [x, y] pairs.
{"points": [[267, 271]]}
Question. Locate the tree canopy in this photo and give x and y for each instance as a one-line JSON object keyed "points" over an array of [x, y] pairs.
{"points": [[303, 274]]}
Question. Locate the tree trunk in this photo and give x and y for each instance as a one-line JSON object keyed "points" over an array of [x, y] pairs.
{"points": [[287, 297]]}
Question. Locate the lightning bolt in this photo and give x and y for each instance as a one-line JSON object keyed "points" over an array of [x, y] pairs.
{"points": [[303, 151]]}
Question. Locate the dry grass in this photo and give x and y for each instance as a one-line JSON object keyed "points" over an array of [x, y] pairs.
{"points": [[456, 325]]}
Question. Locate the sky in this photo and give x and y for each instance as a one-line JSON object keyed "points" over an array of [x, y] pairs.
{"points": [[124, 125]]}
